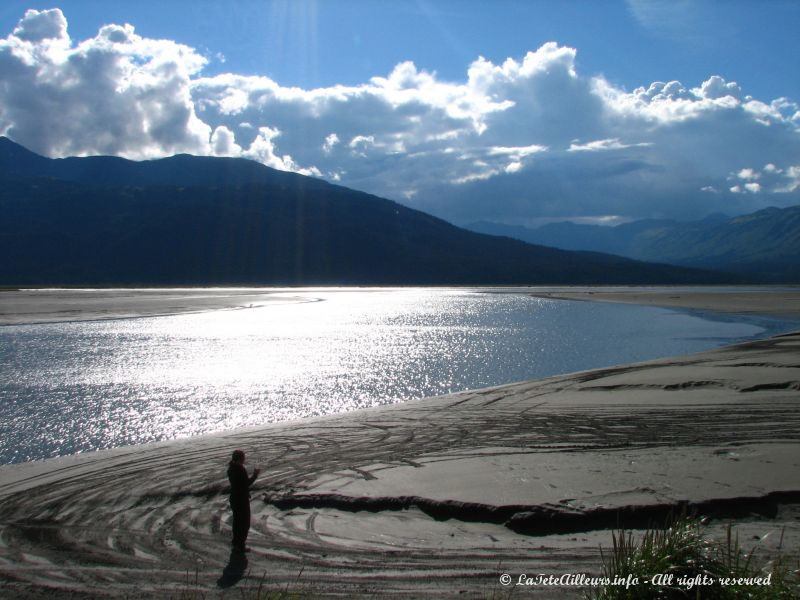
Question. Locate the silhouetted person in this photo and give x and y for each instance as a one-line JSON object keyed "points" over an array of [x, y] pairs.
{"points": [[240, 499]]}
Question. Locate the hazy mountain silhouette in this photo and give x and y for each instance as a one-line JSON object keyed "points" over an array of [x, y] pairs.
{"points": [[761, 246], [189, 220]]}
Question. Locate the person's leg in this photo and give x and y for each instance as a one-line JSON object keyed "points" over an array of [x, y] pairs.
{"points": [[237, 525], [245, 522]]}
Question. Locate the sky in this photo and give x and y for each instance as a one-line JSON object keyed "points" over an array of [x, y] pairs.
{"points": [[516, 112]]}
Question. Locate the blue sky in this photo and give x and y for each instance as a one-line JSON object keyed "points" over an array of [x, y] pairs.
{"points": [[587, 121], [321, 43]]}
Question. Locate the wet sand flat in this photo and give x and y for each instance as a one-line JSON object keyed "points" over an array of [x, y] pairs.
{"points": [[435, 498]]}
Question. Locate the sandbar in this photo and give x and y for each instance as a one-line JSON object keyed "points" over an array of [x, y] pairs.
{"points": [[781, 303], [35, 306]]}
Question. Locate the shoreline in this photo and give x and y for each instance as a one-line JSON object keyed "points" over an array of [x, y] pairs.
{"points": [[36, 306], [354, 501]]}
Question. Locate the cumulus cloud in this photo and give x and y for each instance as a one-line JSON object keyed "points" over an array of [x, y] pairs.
{"points": [[770, 179], [45, 26], [223, 144], [751, 187], [262, 149], [716, 87], [117, 93], [330, 141], [528, 138]]}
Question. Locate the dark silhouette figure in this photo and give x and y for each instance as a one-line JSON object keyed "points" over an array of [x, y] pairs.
{"points": [[240, 499], [234, 570]]}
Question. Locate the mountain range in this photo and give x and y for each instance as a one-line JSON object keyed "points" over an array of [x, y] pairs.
{"points": [[761, 247], [189, 220]]}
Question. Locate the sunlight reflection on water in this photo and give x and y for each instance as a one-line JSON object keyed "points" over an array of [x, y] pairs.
{"points": [[70, 387]]}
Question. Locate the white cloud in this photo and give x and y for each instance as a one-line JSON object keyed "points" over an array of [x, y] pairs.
{"points": [[526, 138], [667, 103], [481, 175], [223, 144], [772, 179], [362, 141], [117, 93], [607, 144], [606, 220], [716, 87], [330, 141], [751, 187], [748, 174], [47, 25], [793, 181], [262, 149], [517, 152], [234, 103]]}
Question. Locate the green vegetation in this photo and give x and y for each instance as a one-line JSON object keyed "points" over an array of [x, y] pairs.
{"points": [[688, 564], [293, 590]]}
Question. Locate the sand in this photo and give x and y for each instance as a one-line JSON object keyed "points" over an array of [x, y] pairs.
{"points": [[772, 302], [435, 498], [33, 306]]}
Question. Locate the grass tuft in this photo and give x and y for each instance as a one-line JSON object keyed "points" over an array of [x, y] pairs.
{"points": [[692, 566], [293, 590]]}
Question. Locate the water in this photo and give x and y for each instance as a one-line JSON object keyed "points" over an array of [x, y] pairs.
{"points": [[78, 386]]}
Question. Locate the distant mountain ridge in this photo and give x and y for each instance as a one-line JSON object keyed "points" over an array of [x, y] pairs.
{"points": [[762, 246], [187, 220]]}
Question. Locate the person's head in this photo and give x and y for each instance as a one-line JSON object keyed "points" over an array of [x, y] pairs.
{"points": [[238, 456]]}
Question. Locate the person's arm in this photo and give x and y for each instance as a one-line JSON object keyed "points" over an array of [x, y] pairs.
{"points": [[253, 477]]}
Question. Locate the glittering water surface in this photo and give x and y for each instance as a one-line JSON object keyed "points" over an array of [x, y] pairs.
{"points": [[70, 387]]}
